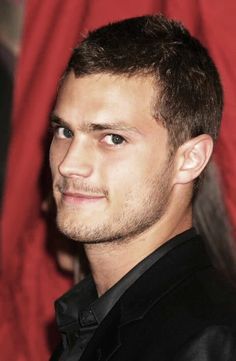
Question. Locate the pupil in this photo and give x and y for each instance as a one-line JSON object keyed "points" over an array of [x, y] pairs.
{"points": [[117, 139]]}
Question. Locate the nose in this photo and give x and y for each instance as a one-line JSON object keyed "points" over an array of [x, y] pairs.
{"points": [[78, 161]]}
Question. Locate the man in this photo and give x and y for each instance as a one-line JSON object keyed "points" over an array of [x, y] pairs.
{"points": [[137, 113]]}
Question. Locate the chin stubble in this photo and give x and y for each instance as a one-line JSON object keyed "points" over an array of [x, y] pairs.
{"points": [[133, 220]]}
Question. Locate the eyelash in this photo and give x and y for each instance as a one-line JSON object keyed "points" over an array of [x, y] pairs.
{"points": [[54, 129]]}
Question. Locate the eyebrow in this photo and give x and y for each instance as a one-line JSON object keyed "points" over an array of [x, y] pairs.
{"points": [[54, 119], [90, 127]]}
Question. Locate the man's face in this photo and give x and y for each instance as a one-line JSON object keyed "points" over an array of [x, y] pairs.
{"points": [[109, 158]]}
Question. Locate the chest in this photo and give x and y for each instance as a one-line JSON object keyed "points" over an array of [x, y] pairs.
{"points": [[157, 335]]}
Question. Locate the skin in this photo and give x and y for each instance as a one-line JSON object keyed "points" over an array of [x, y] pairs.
{"points": [[115, 186]]}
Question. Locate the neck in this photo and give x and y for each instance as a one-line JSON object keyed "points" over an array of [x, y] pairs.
{"points": [[109, 262]]}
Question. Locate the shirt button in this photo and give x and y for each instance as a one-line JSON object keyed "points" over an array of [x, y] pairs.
{"points": [[87, 318]]}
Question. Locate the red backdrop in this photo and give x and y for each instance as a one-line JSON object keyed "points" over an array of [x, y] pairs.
{"points": [[29, 275]]}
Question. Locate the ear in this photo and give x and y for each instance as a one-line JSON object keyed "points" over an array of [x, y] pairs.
{"points": [[192, 157]]}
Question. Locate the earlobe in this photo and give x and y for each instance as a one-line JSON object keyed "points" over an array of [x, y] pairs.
{"points": [[192, 157]]}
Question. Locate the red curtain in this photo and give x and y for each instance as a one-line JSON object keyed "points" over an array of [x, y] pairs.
{"points": [[30, 278]]}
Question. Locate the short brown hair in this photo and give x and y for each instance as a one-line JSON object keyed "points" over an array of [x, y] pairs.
{"points": [[190, 96]]}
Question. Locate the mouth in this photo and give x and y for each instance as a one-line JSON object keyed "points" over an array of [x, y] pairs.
{"points": [[78, 198]]}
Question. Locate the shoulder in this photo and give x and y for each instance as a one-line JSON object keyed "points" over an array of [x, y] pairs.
{"points": [[205, 317], [211, 295], [215, 343], [201, 300], [196, 320]]}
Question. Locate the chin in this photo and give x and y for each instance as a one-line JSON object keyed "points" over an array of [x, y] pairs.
{"points": [[87, 233], [78, 231]]}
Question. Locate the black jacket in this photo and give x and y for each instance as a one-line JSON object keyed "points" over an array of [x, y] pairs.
{"points": [[179, 310]]}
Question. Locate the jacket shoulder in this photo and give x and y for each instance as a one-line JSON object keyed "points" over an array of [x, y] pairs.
{"points": [[216, 343], [197, 319]]}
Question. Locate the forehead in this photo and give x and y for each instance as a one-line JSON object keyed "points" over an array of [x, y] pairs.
{"points": [[105, 97]]}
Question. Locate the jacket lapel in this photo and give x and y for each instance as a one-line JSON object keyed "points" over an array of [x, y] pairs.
{"points": [[106, 340], [146, 292]]}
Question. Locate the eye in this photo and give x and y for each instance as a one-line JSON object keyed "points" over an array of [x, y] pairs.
{"points": [[63, 133], [114, 139]]}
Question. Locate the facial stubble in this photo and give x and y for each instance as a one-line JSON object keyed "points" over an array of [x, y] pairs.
{"points": [[138, 213]]}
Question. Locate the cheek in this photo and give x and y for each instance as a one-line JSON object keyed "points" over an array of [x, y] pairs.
{"points": [[131, 175], [124, 176]]}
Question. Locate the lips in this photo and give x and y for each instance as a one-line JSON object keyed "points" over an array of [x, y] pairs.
{"points": [[75, 197]]}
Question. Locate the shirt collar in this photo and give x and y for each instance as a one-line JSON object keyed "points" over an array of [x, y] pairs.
{"points": [[81, 304]]}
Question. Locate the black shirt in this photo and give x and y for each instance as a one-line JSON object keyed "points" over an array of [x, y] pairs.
{"points": [[80, 311]]}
